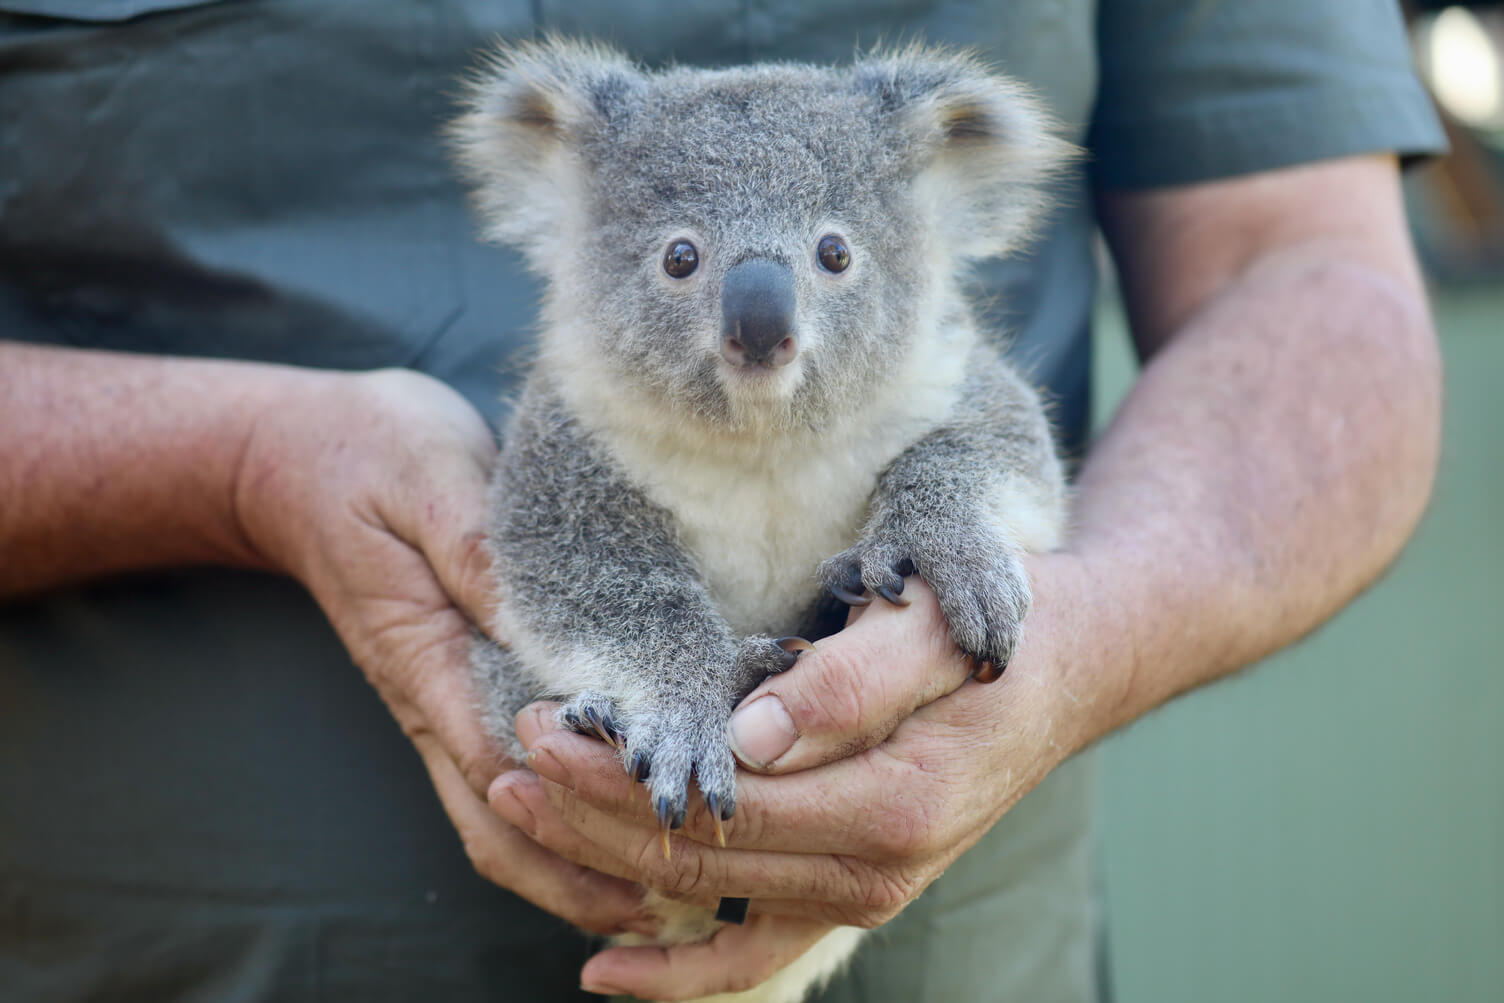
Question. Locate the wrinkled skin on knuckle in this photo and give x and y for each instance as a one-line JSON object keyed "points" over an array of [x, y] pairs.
{"points": [[478, 770], [679, 877], [689, 875], [415, 727], [888, 899], [473, 557], [743, 828], [836, 700], [880, 893], [483, 857], [742, 981], [908, 831], [590, 914], [748, 827]]}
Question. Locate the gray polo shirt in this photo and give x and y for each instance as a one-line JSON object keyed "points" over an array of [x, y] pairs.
{"points": [[200, 798]]}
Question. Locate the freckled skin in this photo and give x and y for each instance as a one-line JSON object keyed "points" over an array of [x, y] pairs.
{"points": [[660, 514]]}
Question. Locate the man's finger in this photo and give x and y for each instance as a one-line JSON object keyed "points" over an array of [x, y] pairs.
{"points": [[449, 528], [839, 890], [849, 693], [734, 960], [589, 899], [827, 809], [436, 697]]}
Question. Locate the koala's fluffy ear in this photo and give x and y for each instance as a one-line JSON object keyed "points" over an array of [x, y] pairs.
{"points": [[531, 112], [982, 150]]}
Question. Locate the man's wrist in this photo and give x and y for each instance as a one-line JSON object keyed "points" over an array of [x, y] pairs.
{"points": [[1078, 644], [286, 415]]}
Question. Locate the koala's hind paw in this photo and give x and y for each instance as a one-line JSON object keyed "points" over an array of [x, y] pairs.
{"points": [[979, 580], [592, 714], [666, 747], [673, 746]]}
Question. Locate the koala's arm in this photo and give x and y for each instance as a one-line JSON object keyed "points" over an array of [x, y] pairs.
{"points": [[604, 609], [960, 508]]}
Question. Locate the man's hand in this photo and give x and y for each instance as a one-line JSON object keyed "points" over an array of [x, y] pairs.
{"points": [[370, 489], [881, 786]]}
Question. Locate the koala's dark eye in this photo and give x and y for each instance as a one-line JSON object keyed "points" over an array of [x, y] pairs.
{"points": [[681, 259], [834, 255]]}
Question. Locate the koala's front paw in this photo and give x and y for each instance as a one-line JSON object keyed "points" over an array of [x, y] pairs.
{"points": [[979, 580]]}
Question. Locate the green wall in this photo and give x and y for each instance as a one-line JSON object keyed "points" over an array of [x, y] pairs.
{"points": [[1330, 824]]}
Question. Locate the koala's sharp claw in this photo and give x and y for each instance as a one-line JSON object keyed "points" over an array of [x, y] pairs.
{"points": [[591, 713], [719, 813], [715, 823], [986, 671], [637, 769], [670, 817], [618, 737], [792, 646], [843, 577], [603, 726], [665, 813], [892, 595], [848, 597], [904, 568]]}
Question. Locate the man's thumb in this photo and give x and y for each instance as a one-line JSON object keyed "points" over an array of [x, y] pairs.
{"points": [[852, 690]]}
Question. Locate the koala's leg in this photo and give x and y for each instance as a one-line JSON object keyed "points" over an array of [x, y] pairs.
{"points": [[504, 691], [959, 508], [602, 608]]}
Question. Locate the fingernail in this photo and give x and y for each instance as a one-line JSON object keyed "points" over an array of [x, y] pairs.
{"points": [[547, 765], [761, 732], [601, 989]]}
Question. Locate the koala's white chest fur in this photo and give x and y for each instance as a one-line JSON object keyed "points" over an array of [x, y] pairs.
{"points": [[758, 522], [760, 512]]}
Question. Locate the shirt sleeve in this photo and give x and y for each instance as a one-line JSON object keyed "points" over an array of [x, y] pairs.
{"points": [[1191, 90]]}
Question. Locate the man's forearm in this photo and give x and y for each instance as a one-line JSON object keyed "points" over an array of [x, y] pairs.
{"points": [[111, 462], [1270, 462]]}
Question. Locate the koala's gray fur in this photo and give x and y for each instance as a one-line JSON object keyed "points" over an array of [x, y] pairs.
{"points": [[660, 514]]}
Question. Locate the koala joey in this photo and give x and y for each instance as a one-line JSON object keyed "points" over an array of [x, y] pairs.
{"points": [[758, 388]]}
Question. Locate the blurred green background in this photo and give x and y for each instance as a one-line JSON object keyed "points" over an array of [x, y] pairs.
{"points": [[1329, 825]]}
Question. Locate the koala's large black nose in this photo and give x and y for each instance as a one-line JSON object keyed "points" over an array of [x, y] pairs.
{"points": [[757, 314]]}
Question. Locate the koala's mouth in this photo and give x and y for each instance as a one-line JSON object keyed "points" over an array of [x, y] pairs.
{"points": [[745, 353], [761, 380]]}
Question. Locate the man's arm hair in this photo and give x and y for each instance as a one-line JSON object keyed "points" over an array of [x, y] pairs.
{"points": [[1280, 445], [112, 462]]}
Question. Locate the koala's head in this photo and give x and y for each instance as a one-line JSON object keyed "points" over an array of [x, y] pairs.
{"points": [[766, 243]]}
